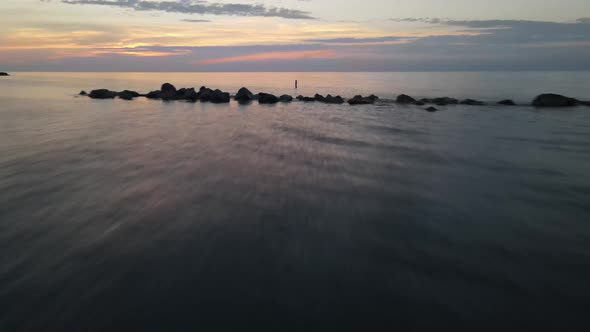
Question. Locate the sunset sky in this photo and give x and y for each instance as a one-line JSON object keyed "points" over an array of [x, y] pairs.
{"points": [[294, 35]]}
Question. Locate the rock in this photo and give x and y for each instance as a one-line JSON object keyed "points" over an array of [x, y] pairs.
{"points": [[319, 98], [554, 100], [214, 96], [4, 74], [445, 101], [154, 94], [102, 94], [405, 99], [507, 102], [305, 99], [360, 100], [128, 95], [333, 100], [471, 102], [418, 103], [82, 93], [244, 95], [584, 103], [168, 91], [431, 109], [191, 95], [267, 98], [285, 99]]}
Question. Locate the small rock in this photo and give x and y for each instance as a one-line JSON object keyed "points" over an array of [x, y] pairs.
{"points": [[507, 102], [405, 99], [82, 93], [319, 98], [154, 94], [333, 100], [418, 103], [445, 101], [431, 109], [4, 74], [554, 100], [305, 99]]}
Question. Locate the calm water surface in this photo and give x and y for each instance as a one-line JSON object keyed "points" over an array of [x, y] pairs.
{"points": [[154, 216]]}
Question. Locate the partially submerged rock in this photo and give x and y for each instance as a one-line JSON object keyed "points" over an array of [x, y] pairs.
{"points": [[418, 103], [405, 99], [168, 91], [443, 101], [431, 109], [360, 100], [82, 93], [507, 102], [244, 95], [102, 94], [285, 99], [267, 98], [306, 99], [554, 100], [471, 102], [4, 74], [128, 95], [214, 96], [329, 99], [154, 94]]}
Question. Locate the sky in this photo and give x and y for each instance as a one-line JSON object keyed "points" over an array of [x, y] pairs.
{"points": [[294, 35]]}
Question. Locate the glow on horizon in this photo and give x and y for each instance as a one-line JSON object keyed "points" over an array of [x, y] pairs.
{"points": [[45, 34]]}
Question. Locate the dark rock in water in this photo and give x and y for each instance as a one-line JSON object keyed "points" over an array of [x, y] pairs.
{"points": [[306, 99], [214, 96], [360, 100], [426, 100], [244, 95], [102, 94], [584, 103], [431, 109], [333, 100], [319, 98], [154, 94], [554, 100], [445, 101], [285, 99], [4, 74], [191, 95], [128, 95], [82, 93], [168, 91], [507, 102], [418, 103], [405, 99], [471, 102], [267, 98]]}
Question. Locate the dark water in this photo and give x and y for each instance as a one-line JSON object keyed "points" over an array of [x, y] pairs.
{"points": [[151, 216]]}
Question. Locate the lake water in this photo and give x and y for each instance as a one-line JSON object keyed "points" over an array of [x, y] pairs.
{"points": [[172, 216]]}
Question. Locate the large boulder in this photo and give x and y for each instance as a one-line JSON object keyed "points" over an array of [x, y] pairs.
{"points": [[554, 100], [168, 91], [244, 95], [360, 100], [128, 95], [102, 94], [285, 99], [471, 102], [507, 102], [405, 99], [4, 74], [190, 95], [267, 98]]}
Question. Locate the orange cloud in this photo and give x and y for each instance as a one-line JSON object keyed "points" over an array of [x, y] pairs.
{"points": [[294, 55], [137, 52]]}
